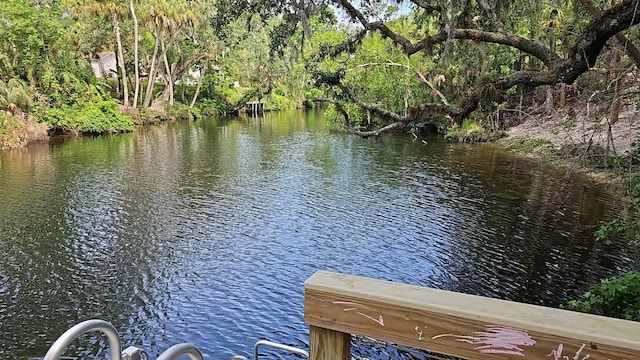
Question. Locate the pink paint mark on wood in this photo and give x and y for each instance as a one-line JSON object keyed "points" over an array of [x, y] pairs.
{"points": [[346, 303], [497, 340], [557, 354], [356, 306], [379, 320]]}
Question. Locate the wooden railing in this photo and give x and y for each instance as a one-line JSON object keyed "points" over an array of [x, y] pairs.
{"points": [[467, 326]]}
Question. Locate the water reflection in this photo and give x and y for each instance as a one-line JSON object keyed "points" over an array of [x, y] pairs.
{"points": [[205, 231]]}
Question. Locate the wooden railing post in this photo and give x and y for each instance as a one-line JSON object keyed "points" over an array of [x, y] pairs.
{"points": [[325, 344]]}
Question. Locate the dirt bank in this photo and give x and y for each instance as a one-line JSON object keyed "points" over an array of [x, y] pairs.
{"points": [[580, 125]]}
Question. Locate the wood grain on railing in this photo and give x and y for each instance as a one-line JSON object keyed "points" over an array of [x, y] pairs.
{"points": [[462, 325]]}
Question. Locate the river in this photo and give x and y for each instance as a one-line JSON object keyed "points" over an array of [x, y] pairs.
{"points": [[205, 231]]}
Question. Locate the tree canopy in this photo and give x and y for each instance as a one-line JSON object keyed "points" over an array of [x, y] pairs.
{"points": [[385, 65], [470, 53]]}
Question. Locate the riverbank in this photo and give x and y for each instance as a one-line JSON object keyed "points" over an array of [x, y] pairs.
{"points": [[18, 129], [570, 128], [577, 139]]}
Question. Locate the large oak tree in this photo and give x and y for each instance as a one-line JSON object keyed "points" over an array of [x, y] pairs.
{"points": [[564, 40]]}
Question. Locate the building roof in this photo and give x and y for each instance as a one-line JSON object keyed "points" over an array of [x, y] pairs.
{"points": [[104, 54]]}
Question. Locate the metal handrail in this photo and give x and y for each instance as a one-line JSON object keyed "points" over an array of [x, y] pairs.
{"points": [[272, 344], [173, 352], [57, 349]]}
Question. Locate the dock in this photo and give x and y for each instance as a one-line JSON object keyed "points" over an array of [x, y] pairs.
{"points": [[254, 108]]}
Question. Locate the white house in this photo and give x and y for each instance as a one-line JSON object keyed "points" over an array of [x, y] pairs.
{"points": [[105, 65]]}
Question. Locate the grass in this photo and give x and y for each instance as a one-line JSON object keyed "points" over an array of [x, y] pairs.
{"points": [[534, 146], [472, 131]]}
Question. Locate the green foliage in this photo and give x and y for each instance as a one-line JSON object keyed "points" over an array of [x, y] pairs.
{"points": [[619, 298], [313, 93], [619, 230], [33, 36], [280, 102], [472, 131], [625, 161], [626, 229], [103, 117], [212, 106], [336, 119], [14, 92], [96, 118], [58, 118], [180, 111]]}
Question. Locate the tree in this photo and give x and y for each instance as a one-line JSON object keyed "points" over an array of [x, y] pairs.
{"points": [[111, 10], [472, 23], [167, 21], [136, 52]]}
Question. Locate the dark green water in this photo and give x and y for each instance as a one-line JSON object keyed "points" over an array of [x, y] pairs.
{"points": [[205, 231]]}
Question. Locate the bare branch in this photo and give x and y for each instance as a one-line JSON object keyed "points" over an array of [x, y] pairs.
{"points": [[422, 80], [382, 113], [534, 48], [350, 129]]}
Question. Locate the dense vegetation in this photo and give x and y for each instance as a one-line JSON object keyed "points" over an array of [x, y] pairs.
{"points": [[383, 65], [470, 65]]}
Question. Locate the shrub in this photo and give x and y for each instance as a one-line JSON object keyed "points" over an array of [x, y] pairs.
{"points": [[619, 298], [471, 131], [212, 106], [103, 117], [57, 118], [280, 102], [179, 111], [617, 230], [95, 118]]}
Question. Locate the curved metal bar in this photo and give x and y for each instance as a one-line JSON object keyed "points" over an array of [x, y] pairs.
{"points": [[57, 349], [277, 346], [173, 352]]}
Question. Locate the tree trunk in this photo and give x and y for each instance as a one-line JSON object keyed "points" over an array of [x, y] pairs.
{"points": [[163, 55], [615, 106], [151, 77], [123, 70], [548, 103], [136, 65], [167, 69], [203, 72], [178, 69]]}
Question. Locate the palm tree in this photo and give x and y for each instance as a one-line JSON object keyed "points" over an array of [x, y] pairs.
{"points": [[167, 18], [136, 54], [14, 94], [112, 10]]}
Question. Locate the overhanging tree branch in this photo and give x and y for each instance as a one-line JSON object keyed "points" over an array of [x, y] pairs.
{"points": [[534, 48], [587, 49], [420, 76], [582, 57], [629, 48]]}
